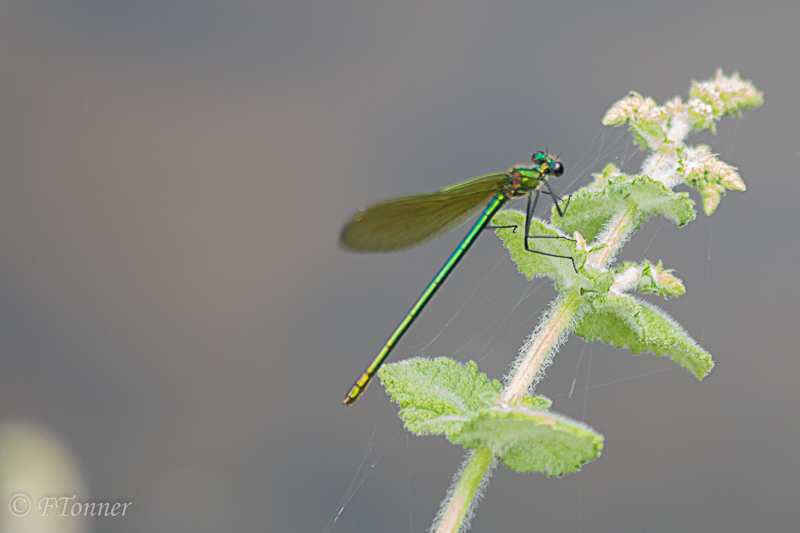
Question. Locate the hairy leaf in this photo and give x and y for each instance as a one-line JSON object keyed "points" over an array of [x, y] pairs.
{"points": [[439, 395], [536, 264], [593, 207], [623, 321], [533, 441]]}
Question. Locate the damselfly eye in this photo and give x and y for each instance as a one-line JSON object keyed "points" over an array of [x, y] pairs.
{"points": [[558, 169], [537, 155]]}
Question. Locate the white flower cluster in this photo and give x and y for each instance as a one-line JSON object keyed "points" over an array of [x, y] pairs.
{"points": [[675, 106], [634, 107], [710, 176], [663, 129], [727, 95], [708, 101]]}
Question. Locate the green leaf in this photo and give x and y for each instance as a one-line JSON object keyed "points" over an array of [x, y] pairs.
{"points": [[533, 441], [438, 395], [593, 207], [538, 265], [536, 403], [623, 321]]}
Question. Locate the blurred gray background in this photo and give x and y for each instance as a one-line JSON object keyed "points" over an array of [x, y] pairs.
{"points": [[176, 317]]}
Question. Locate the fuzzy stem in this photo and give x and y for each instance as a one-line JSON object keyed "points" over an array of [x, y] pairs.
{"points": [[613, 237], [548, 337], [463, 496]]}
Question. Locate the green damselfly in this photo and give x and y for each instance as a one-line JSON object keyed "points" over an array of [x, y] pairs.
{"points": [[401, 223]]}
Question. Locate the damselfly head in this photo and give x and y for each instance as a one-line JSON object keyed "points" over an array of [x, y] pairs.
{"points": [[547, 164]]}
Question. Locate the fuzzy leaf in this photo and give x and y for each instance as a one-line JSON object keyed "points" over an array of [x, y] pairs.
{"points": [[592, 208], [533, 441], [537, 265], [439, 395], [436, 395], [536, 403], [623, 321]]}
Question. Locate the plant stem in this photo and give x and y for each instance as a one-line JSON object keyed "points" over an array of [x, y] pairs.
{"points": [[549, 335], [613, 237], [476, 468]]}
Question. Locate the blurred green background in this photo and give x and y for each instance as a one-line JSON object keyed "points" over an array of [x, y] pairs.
{"points": [[177, 320]]}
